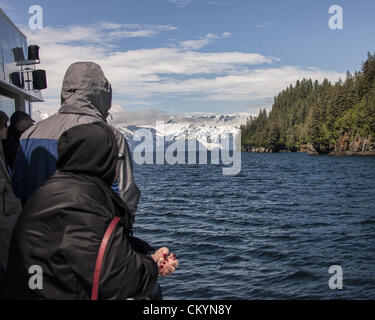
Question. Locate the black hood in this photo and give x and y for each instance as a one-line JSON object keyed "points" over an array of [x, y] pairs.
{"points": [[89, 149]]}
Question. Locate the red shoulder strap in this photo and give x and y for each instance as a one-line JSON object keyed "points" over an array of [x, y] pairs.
{"points": [[99, 259]]}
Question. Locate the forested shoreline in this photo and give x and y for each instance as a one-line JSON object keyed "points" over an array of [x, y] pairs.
{"points": [[319, 117]]}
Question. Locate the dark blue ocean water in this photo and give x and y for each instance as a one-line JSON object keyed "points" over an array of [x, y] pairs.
{"points": [[271, 232]]}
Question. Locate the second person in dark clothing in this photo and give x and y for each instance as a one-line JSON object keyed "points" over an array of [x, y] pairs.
{"points": [[19, 122], [63, 223]]}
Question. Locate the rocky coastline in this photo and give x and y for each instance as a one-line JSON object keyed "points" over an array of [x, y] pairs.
{"points": [[345, 145]]}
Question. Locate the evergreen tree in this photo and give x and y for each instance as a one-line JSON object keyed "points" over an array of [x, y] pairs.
{"points": [[309, 112]]}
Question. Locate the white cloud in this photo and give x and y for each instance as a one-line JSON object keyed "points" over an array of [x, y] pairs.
{"points": [[169, 71], [206, 40], [41, 111], [119, 115], [264, 25], [181, 3], [139, 76], [198, 44], [221, 2], [226, 34], [240, 86], [104, 33]]}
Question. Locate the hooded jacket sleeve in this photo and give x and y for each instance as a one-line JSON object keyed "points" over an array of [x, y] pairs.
{"points": [[127, 189], [19, 179], [126, 273]]}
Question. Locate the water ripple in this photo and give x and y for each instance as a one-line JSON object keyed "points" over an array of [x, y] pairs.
{"points": [[270, 232]]}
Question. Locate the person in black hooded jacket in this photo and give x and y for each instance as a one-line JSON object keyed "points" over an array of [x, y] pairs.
{"points": [[63, 223]]}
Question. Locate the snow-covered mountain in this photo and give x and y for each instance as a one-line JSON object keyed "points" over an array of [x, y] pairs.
{"points": [[205, 129]]}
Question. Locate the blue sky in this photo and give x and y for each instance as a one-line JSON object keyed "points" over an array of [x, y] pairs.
{"points": [[188, 56]]}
